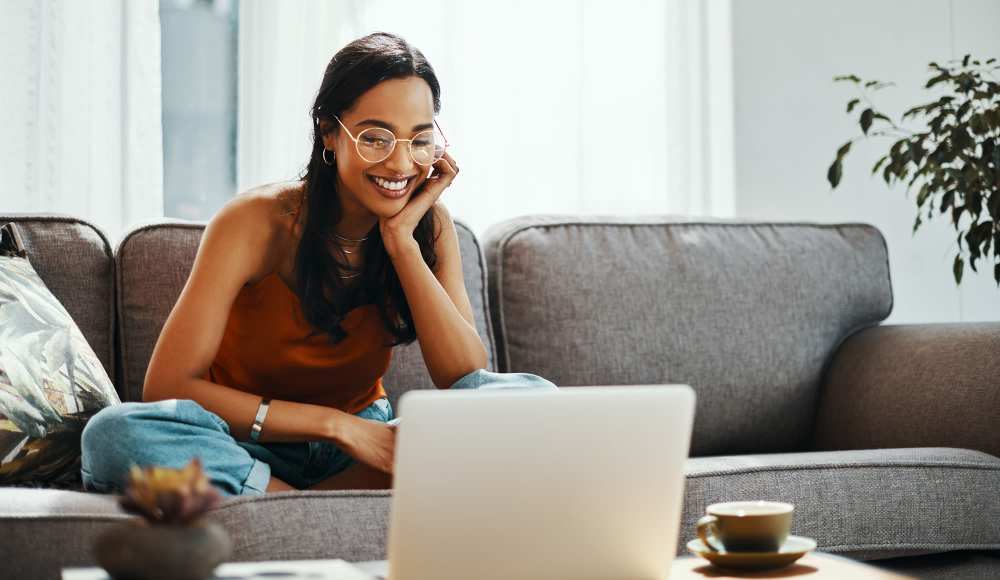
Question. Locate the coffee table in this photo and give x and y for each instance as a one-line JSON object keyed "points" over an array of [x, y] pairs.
{"points": [[286, 570], [815, 566]]}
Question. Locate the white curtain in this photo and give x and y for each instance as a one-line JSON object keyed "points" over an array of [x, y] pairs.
{"points": [[552, 107], [80, 120]]}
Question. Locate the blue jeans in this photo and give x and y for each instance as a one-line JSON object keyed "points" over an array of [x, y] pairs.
{"points": [[170, 433]]}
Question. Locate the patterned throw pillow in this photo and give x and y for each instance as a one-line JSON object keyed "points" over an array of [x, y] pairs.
{"points": [[51, 381]]}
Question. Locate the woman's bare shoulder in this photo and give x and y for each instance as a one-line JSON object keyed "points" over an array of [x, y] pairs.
{"points": [[260, 220], [270, 208], [278, 203]]}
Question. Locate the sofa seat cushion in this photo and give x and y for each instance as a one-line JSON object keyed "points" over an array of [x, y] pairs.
{"points": [[45, 530], [965, 565], [304, 525], [869, 504]]}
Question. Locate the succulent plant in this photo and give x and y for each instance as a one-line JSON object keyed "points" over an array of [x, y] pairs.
{"points": [[168, 496]]}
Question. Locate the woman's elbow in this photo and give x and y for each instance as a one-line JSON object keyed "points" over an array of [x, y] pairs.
{"points": [[157, 388]]}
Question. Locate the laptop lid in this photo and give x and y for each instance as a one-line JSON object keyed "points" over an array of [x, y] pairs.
{"points": [[584, 482]]}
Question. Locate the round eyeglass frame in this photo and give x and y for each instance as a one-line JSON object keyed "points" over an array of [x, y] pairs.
{"points": [[409, 142]]}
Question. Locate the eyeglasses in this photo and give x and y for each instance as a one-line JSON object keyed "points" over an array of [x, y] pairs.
{"points": [[376, 144]]}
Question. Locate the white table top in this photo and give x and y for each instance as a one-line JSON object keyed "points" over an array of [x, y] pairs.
{"points": [[290, 570], [816, 566]]}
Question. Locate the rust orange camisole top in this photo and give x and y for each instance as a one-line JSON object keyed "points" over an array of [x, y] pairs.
{"points": [[270, 350]]}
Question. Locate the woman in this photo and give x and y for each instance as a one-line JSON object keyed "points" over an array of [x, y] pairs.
{"points": [[269, 366]]}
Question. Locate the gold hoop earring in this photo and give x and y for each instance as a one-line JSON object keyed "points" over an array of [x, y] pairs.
{"points": [[324, 157]]}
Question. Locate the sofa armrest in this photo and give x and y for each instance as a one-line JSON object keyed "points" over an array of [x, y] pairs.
{"points": [[933, 385]]}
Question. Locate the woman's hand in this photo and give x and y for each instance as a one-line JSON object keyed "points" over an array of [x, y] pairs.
{"points": [[370, 442], [398, 229]]}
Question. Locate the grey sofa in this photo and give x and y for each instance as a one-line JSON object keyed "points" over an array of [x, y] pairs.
{"points": [[884, 437]]}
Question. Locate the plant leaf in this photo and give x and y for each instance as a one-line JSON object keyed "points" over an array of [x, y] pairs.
{"points": [[956, 214], [851, 104], [947, 200], [963, 109], [993, 206], [937, 79], [866, 120], [879, 164], [957, 269], [983, 231], [834, 173], [925, 190], [916, 152], [978, 125]]}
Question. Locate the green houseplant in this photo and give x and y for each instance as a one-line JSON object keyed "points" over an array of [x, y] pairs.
{"points": [[953, 161]]}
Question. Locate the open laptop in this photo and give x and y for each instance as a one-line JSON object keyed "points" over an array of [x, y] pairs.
{"points": [[584, 482]]}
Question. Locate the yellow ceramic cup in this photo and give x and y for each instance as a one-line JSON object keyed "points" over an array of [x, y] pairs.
{"points": [[746, 526]]}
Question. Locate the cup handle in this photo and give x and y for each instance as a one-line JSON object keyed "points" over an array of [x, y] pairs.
{"points": [[706, 528]]}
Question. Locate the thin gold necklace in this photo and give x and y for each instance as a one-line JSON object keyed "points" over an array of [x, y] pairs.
{"points": [[337, 238], [340, 238]]}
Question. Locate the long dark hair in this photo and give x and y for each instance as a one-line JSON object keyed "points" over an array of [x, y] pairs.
{"points": [[324, 296]]}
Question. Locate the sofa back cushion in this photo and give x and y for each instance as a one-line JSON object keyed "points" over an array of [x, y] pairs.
{"points": [[74, 260], [748, 314], [154, 262]]}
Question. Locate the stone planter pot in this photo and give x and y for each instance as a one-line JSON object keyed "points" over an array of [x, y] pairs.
{"points": [[136, 550]]}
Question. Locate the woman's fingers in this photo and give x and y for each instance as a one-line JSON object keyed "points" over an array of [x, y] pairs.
{"points": [[449, 163]]}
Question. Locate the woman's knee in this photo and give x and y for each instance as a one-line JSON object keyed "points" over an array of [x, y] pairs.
{"points": [[484, 379], [127, 434], [106, 427], [113, 424], [104, 459]]}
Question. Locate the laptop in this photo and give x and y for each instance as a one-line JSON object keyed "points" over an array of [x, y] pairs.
{"points": [[584, 482]]}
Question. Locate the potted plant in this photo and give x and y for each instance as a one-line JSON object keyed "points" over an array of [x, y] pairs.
{"points": [[953, 160], [171, 540]]}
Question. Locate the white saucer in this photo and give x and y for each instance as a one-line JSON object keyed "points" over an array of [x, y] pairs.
{"points": [[794, 548]]}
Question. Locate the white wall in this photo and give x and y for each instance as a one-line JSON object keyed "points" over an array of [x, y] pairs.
{"points": [[789, 121]]}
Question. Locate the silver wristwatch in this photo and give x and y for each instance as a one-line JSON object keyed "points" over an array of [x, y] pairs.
{"points": [[258, 422]]}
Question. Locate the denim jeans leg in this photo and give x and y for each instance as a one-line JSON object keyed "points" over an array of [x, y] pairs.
{"points": [[484, 379], [166, 433]]}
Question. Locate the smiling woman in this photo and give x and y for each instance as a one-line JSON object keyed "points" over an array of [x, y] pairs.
{"points": [[270, 365], [400, 92]]}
